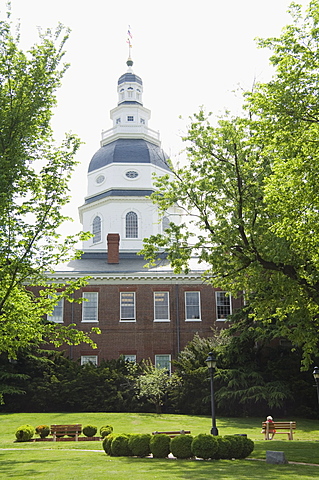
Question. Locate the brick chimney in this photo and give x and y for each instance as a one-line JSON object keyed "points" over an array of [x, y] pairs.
{"points": [[113, 241]]}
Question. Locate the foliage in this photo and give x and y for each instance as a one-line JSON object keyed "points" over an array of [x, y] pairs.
{"points": [[249, 191], [181, 446], [106, 430], [120, 446], [205, 446], [160, 445], [33, 191], [89, 430], [254, 374], [42, 430], [224, 447], [154, 384], [139, 444], [107, 442], [24, 433]]}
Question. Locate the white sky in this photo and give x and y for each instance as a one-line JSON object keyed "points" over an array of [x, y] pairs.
{"points": [[187, 53]]}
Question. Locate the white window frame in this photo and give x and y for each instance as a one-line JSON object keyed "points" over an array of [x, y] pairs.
{"points": [[130, 118], [55, 316], [97, 229], [159, 359], [218, 304], [85, 359], [188, 306], [88, 309], [131, 224], [130, 358], [124, 317], [156, 299]]}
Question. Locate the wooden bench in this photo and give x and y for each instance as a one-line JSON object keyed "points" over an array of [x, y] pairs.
{"points": [[62, 430], [288, 427], [173, 433]]}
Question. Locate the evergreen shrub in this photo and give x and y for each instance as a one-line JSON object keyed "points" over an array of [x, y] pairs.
{"points": [[139, 444], [43, 430], [120, 446], [106, 430], [205, 446], [224, 448], [160, 445], [181, 446], [107, 442], [24, 433], [240, 446], [89, 430]]}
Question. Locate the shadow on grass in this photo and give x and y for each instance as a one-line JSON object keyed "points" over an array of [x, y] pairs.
{"points": [[29, 468], [223, 469]]}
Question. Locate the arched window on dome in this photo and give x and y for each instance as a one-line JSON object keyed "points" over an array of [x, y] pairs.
{"points": [[97, 229], [165, 223], [131, 225]]}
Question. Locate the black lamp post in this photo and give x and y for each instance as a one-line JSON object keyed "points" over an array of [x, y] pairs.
{"points": [[211, 364], [315, 374]]}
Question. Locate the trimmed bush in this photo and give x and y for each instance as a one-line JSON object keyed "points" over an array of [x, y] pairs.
{"points": [[43, 430], [224, 448], [181, 446], [106, 444], [205, 446], [24, 433], [241, 446], [160, 445], [105, 430], [247, 447], [120, 446], [89, 430], [139, 444]]}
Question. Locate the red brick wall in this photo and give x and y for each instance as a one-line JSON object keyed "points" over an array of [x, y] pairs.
{"points": [[144, 337]]}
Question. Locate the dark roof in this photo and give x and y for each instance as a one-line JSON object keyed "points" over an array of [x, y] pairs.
{"points": [[129, 151], [120, 193], [129, 77]]}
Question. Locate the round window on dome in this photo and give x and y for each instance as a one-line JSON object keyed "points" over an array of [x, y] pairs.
{"points": [[131, 174], [100, 179]]}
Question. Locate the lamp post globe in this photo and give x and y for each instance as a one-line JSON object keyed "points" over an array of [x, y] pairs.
{"points": [[211, 364]]}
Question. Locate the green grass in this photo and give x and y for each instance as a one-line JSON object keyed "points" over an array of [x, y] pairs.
{"points": [[83, 460]]}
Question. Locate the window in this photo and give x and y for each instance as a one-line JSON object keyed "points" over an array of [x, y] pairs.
{"points": [[89, 359], [165, 223], [163, 361], [192, 305], [90, 307], [130, 118], [131, 174], [118, 120], [57, 314], [130, 358], [100, 179], [223, 305], [131, 225], [97, 229], [142, 121], [128, 306], [161, 306]]}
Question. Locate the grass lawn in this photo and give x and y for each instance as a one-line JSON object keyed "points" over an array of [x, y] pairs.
{"points": [[83, 460]]}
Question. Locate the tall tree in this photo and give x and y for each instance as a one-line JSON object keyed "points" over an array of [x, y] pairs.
{"points": [[34, 177], [250, 190]]}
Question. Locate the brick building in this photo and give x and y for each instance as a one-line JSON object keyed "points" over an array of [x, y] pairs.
{"points": [[142, 312]]}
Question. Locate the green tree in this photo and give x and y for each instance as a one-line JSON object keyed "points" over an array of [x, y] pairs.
{"points": [[250, 192], [154, 384], [34, 179]]}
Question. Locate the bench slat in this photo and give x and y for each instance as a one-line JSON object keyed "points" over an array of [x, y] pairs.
{"points": [[269, 427], [70, 430], [173, 433]]}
